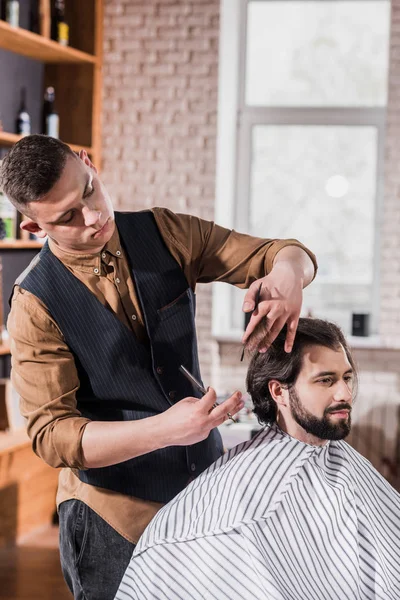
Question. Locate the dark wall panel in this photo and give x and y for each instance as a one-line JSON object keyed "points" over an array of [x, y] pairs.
{"points": [[17, 72]]}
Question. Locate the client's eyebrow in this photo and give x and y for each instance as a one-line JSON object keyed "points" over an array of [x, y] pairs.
{"points": [[330, 373]]}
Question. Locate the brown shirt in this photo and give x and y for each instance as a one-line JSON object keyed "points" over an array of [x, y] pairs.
{"points": [[43, 367]]}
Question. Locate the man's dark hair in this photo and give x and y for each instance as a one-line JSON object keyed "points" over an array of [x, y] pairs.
{"points": [[285, 368], [31, 168]]}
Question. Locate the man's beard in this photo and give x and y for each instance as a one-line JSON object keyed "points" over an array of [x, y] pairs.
{"points": [[321, 428]]}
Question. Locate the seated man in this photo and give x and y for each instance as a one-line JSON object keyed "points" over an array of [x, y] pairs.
{"points": [[293, 514]]}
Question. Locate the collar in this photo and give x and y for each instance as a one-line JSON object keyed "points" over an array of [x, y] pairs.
{"points": [[89, 263]]}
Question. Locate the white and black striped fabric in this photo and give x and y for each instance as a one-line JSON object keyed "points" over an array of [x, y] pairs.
{"points": [[274, 519]]}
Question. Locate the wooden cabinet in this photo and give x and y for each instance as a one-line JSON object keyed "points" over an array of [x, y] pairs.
{"points": [[27, 488]]}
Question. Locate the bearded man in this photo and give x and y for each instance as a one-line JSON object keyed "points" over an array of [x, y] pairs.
{"points": [[293, 514]]}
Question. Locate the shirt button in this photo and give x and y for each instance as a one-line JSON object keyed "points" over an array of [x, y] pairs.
{"points": [[104, 255], [118, 253], [118, 280], [160, 370], [96, 271], [193, 467], [171, 395], [134, 317]]}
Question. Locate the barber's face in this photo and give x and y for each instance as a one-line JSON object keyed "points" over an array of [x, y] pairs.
{"points": [[77, 213], [321, 400]]}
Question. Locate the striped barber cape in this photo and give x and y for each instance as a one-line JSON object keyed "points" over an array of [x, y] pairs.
{"points": [[274, 519]]}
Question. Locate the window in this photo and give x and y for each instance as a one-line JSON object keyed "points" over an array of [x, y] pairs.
{"points": [[303, 89]]}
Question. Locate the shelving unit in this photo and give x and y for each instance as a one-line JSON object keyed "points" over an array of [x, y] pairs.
{"points": [[32, 45], [20, 245], [76, 74], [9, 139], [74, 71]]}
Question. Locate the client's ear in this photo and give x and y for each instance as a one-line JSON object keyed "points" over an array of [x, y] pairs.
{"points": [[278, 392]]}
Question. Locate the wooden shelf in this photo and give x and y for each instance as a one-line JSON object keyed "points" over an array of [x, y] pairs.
{"points": [[20, 245], [9, 139], [36, 47], [4, 349], [10, 440]]}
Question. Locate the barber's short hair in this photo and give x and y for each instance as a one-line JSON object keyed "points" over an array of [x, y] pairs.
{"points": [[285, 367], [31, 168]]}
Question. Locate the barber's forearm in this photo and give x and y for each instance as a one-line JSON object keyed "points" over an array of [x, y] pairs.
{"points": [[299, 261], [187, 422], [110, 443]]}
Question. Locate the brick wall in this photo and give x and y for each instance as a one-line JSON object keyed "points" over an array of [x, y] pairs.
{"points": [[390, 238], [159, 120]]}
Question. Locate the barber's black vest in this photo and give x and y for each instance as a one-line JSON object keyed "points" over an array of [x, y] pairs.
{"points": [[122, 379]]}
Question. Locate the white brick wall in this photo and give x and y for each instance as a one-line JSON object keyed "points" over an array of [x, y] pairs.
{"points": [[159, 137], [390, 257]]}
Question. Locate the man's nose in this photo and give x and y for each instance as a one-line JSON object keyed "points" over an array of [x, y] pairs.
{"points": [[90, 216], [343, 393]]}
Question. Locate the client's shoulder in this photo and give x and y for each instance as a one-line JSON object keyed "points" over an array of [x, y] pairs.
{"points": [[243, 486]]}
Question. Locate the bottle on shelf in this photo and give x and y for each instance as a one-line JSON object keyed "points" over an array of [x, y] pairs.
{"points": [[23, 125], [12, 13], [51, 120], [59, 26]]}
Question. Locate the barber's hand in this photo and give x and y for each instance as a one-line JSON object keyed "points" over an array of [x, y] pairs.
{"points": [[280, 301], [191, 420]]}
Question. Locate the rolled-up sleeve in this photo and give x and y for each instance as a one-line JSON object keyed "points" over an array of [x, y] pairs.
{"points": [[45, 377], [208, 252]]}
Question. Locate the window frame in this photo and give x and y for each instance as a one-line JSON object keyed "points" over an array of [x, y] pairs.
{"points": [[234, 144]]}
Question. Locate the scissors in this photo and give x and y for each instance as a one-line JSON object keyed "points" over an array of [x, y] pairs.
{"points": [[198, 385], [257, 300]]}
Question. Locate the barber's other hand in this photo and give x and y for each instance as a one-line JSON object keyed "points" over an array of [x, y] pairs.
{"points": [[280, 302], [191, 420]]}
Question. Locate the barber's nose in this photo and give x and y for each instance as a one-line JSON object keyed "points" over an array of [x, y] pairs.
{"points": [[90, 216]]}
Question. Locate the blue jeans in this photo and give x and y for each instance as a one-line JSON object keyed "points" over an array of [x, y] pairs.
{"points": [[93, 555]]}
